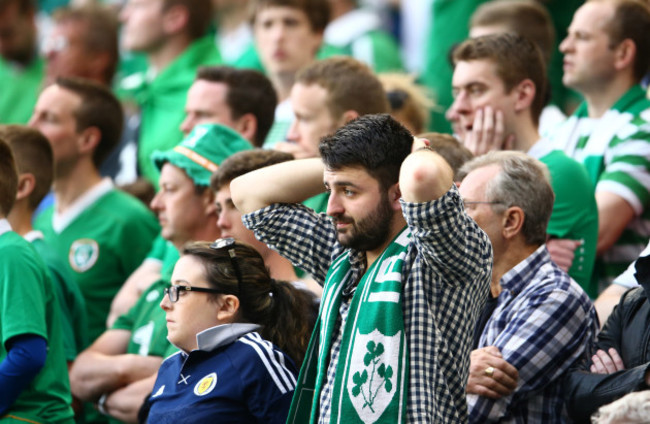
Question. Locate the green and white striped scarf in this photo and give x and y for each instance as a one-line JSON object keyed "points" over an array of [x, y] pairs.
{"points": [[371, 374]]}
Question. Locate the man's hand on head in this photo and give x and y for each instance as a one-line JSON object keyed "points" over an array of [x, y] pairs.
{"points": [[490, 375], [488, 133]]}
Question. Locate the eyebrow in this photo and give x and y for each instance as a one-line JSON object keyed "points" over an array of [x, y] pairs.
{"points": [[342, 184]]}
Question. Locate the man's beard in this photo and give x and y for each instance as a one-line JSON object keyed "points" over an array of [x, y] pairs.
{"points": [[369, 232]]}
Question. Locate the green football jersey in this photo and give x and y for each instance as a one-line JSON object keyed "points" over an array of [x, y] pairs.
{"points": [[102, 239], [20, 89], [575, 214], [71, 301], [28, 305], [615, 150]]}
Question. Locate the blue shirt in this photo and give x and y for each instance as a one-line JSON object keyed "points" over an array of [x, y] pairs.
{"points": [[234, 376], [542, 324]]}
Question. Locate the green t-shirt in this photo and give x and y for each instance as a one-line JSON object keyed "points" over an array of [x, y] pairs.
{"points": [[575, 214], [615, 150], [146, 322], [20, 89], [102, 242], [162, 101], [71, 301], [166, 253], [358, 33], [28, 305]]}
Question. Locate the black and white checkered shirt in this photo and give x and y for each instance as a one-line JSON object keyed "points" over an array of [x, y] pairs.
{"points": [[447, 271]]}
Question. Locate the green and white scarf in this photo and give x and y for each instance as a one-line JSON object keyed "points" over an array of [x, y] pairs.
{"points": [[372, 371]]}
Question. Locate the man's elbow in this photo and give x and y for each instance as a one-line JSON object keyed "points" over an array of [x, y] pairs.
{"points": [[241, 198]]}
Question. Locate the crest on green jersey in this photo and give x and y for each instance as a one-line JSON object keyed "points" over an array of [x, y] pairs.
{"points": [[83, 254]]}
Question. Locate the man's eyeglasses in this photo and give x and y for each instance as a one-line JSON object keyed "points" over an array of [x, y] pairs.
{"points": [[174, 290], [229, 242], [479, 202]]}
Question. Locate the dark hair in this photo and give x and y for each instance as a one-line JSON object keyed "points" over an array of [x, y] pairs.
{"points": [[516, 59], [631, 21], [33, 155], [527, 18], [249, 91], [24, 6], [350, 85], [244, 162], [450, 149], [199, 15], [8, 179], [317, 11], [99, 108], [378, 143], [279, 307], [100, 32]]}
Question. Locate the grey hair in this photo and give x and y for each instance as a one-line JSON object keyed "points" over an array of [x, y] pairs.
{"points": [[523, 182], [633, 408]]}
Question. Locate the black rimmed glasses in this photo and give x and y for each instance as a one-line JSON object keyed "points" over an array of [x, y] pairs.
{"points": [[174, 290], [229, 243]]}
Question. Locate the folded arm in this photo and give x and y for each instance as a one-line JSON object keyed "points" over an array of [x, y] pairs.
{"points": [[105, 366]]}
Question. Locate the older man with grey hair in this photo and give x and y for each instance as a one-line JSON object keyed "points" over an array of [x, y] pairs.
{"points": [[538, 321]]}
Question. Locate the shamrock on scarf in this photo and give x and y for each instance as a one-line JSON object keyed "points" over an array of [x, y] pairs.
{"points": [[384, 373]]}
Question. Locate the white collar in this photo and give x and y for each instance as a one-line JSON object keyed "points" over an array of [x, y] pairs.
{"points": [[540, 149], [284, 111], [33, 235], [347, 28], [61, 221], [222, 335], [5, 226]]}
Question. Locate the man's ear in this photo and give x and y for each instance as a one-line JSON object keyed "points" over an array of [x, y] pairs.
{"points": [[26, 185], [175, 19], [208, 199], [513, 222], [626, 52], [525, 92], [394, 194], [246, 126], [228, 306], [89, 140], [347, 116]]}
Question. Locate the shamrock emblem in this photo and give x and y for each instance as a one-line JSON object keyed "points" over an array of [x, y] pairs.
{"points": [[379, 375]]}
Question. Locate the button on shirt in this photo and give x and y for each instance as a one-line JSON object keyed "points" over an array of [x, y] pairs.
{"points": [[447, 271], [542, 324]]}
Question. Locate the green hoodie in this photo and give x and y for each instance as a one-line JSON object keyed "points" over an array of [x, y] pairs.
{"points": [[162, 101]]}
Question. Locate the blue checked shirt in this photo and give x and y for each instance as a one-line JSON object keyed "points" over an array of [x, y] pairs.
{"points": [[542, 324], [447, 271]]}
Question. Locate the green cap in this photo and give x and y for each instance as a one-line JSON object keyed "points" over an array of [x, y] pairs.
{"points": [[202, 151]]}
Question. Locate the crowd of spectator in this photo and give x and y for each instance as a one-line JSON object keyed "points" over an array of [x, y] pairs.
{"points": [[315, 211]]}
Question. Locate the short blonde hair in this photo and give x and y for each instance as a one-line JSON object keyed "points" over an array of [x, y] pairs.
{"points": [[407, 99]]}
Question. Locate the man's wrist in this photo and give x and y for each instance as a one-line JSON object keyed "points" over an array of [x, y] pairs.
{"points": [[101, 404]]}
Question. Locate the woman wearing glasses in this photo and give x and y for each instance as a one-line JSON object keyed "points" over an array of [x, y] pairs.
{"points": [[229, 319]]}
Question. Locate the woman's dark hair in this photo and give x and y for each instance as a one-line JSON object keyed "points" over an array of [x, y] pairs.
{"points": [[283, 311]]}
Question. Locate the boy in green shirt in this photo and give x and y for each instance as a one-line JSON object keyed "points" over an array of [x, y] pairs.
{"points": [[101, 233], [35, 165], [33, 376]]}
